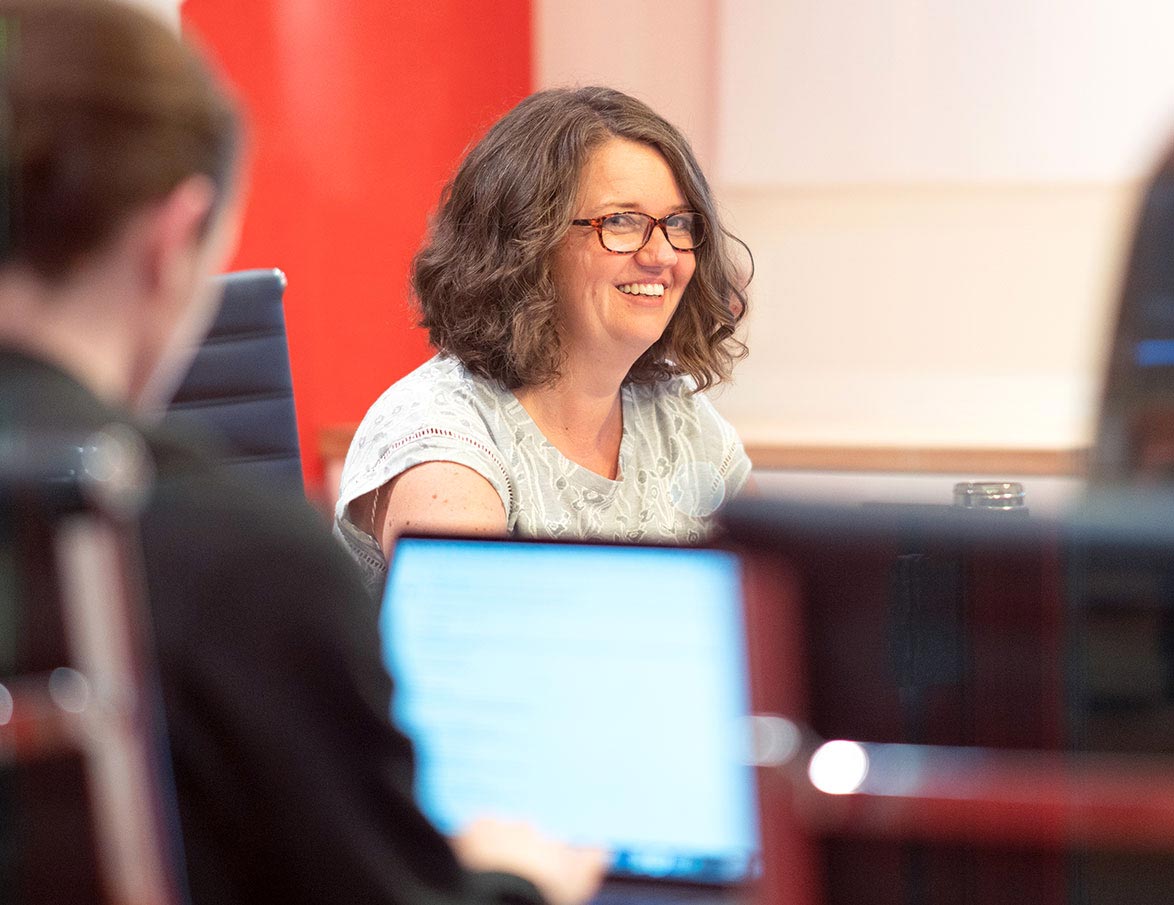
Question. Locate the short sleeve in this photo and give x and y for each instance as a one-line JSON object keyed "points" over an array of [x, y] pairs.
{"points": [[432, 415], [386, 458], [733, 465], [736, 465]]}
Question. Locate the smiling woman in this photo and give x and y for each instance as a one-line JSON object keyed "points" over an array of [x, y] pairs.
{"points": [[581, 292], [614, 304]]}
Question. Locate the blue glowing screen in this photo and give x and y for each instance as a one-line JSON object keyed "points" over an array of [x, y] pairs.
{"points": [[596, 691]]}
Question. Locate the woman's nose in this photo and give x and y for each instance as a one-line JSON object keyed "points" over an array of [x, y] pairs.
{"points": [[657, 252]]}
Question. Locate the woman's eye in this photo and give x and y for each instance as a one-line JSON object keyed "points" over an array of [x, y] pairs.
{"points": [[621, 223]]}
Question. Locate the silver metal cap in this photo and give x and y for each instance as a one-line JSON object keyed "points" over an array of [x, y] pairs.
{"points": [[989, 495]]}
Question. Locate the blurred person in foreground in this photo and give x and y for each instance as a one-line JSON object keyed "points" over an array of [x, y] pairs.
{"points": [[292, 784], [581, 292]]}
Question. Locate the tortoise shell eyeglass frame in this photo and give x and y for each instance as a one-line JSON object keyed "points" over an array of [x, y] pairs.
{"points": [[651, 223]]}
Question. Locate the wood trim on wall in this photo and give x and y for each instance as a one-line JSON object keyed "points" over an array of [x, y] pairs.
{"points": [[333, 442], [1059, 462]]}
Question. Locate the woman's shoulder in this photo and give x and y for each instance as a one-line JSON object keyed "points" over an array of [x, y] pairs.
{"points": [[438, 376], [678, 401], [676, 393], [438, 412], [440, 388], [677, 385]]}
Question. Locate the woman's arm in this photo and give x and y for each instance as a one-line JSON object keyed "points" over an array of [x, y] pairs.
{"points": [[434, 498]]}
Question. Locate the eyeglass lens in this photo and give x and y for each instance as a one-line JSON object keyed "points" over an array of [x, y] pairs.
{"points": [[630, 231]]}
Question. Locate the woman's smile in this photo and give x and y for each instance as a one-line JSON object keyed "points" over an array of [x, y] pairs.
{"points": [[648, 290]]}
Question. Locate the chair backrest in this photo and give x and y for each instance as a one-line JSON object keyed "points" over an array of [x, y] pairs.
{"points": [[79, 697], [239, 388]]}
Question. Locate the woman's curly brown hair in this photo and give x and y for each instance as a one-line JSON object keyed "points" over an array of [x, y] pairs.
{"points": [[483, 279]]}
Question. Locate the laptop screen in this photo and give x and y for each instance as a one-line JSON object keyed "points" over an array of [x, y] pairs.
{"points": [[596, 691]]}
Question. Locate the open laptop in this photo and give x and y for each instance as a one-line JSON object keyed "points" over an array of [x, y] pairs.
{"points": [[597, 691]]}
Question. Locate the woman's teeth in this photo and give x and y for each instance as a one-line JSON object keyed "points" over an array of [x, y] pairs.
{"points": [[642, 288]]}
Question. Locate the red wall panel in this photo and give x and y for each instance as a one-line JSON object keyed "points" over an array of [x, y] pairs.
{"points": [[359, 110]]}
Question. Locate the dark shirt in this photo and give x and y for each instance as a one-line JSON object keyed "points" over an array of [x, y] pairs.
{"points": [[292, 783]]}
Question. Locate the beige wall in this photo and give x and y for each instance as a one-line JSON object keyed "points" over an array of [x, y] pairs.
{"points": [[933, 316], [936, 194], [912, 91], [662, 52]]}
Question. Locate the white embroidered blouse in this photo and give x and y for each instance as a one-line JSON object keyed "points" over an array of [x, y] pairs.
{"points": [[679, 460]]}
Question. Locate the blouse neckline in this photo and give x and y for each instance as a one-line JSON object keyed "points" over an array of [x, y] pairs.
{"points": [[582, 473]]}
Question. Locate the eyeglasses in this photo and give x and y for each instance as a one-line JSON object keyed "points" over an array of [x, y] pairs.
{"points": [[627, 232]]}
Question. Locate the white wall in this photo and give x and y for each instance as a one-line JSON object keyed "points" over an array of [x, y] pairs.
{"points": [[910, 91], [662, 52], [936, 192], [947, 316]]}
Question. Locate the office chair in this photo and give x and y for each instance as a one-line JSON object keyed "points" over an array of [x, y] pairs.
{"points": [[78, 696], [239, 389]]}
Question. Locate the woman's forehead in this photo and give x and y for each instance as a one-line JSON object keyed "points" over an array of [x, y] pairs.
{"points": [[622, 174]]}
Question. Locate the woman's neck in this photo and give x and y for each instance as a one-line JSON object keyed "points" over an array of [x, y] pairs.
{"points": [[581, 414]]}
